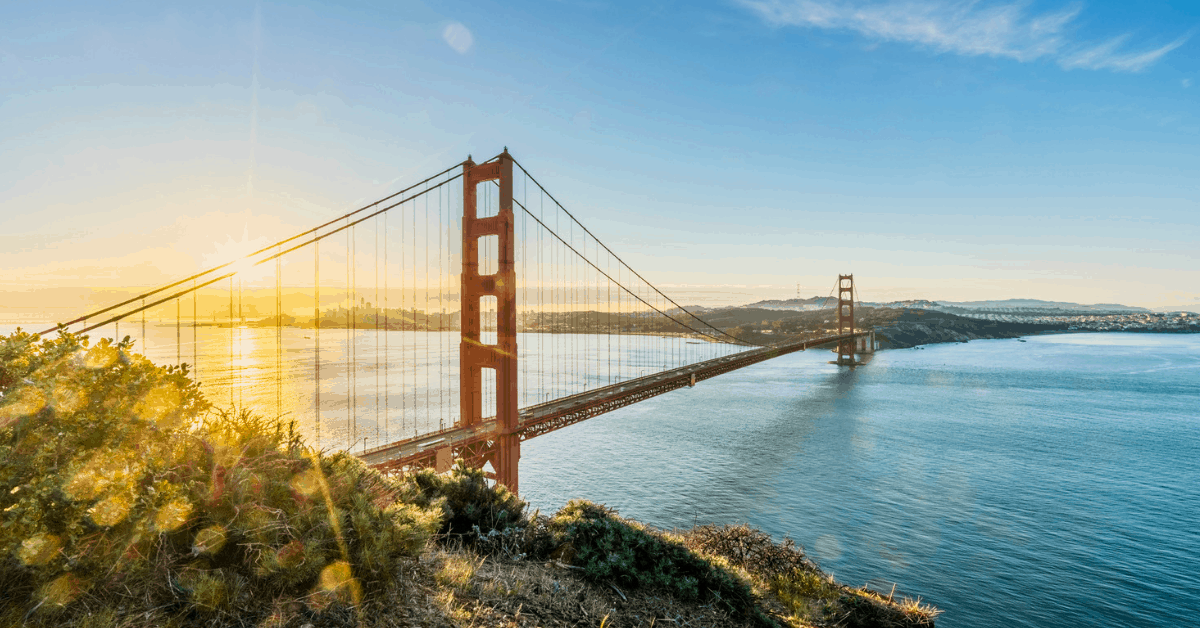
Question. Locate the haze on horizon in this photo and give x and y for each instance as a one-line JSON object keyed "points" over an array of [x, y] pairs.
{"points": [[729, 151]]}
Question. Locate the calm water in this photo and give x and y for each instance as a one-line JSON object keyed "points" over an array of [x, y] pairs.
{"points": [[405, 383], [1054, 482]]}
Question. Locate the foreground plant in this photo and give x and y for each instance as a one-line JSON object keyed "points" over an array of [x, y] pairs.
{"points": [[119, 485]]}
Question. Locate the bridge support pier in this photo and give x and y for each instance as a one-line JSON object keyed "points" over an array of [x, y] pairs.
{"points": [[474, 355]]}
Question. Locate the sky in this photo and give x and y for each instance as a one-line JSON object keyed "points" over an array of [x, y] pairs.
{"points": [[729, 150]]}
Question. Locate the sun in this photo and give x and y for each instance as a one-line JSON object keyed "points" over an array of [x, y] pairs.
{"points": [[244, 263], [244, 267]]}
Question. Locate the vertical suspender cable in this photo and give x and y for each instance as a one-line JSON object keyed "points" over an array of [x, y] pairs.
{"points": [[351, 344], [241, 323], [231, 404], [442, 322], [414, 314], [561, 330], [584, 357], [525, 278], [541, 291], [620, 330], [553, 353], [576, 371], [404, 268], [429, 365], [195, 360], [405, 364], [402, 363], [572, 323], [375, 313], [279, 331], [317, 340], [387, 328]]}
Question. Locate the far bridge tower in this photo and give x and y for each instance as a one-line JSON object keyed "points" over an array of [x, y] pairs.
{"points": [[845, 319]]}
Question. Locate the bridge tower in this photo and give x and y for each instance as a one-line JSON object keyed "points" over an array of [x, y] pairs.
{"points": [[477, 358], [845, 319]]}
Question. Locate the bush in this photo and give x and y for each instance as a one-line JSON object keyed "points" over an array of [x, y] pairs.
{"points": [[612, 549], [749, 548], [469, 507], [120, 486]]}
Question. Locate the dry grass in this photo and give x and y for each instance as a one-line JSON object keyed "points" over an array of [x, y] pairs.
{"points": [[449, 585], [494, 591], [503, 592]]}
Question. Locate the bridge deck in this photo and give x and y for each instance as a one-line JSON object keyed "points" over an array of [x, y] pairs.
{"points": [[559, 413]]}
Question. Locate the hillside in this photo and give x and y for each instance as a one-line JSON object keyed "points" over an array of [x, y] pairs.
{"points": [[896, 328], [909, 328], [810, 303], [1038, 304]]}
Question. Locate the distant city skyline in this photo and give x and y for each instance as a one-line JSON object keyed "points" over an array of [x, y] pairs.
{"points": [[727, 150]]}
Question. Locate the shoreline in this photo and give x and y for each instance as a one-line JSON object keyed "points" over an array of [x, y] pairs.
{"points": [[910, 328]]}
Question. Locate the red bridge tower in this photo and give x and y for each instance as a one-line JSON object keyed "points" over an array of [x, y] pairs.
{"points": [[845, 319], [478, 359]]}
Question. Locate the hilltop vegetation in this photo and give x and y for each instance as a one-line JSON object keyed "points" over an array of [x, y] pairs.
{"points": [[129, 501]]}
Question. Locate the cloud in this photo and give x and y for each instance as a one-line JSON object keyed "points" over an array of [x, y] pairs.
{"points": [[1187, 82], [458, 37], [1106, 56], [965, 27]]}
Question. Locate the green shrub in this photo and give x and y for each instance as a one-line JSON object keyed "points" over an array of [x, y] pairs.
{"points": [[612, 549], [118, 481], [469, 507], [749, 548]]}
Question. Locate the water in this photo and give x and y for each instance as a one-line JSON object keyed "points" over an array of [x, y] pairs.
{"points": [[405, 383], [1054, 482]]}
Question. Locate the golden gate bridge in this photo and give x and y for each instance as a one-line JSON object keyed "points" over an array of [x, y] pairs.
{"points": [[495, 316]]}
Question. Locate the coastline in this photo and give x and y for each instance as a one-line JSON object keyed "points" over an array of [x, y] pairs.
{"points": [[921, 327]]}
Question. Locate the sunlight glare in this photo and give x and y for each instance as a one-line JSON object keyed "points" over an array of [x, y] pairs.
{"points": [[239, 252]]}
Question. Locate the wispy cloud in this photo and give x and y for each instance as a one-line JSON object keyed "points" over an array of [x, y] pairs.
{"points": [[1108, 56], [966, 27]]}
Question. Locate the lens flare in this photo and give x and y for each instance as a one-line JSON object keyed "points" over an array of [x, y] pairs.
{"points": [[40, 549], [173, 515]]}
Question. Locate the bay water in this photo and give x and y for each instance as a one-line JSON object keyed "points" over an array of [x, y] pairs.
{"points": [[1053, 482]]}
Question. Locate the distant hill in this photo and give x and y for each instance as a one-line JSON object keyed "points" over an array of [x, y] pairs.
{"points": [[816, 303], [799, 305], [1038, 304], [1194, 308], [1014, 306], [913, 304]]}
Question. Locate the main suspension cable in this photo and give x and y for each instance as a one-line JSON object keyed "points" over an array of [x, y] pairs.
{"points": [[568, 213], [258, 252], [621, 285]]}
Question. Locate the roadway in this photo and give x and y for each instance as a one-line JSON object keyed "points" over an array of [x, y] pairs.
{"points": [[554, 415]]}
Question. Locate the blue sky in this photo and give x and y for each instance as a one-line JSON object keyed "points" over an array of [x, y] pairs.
{"points": [[730, 150]]}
